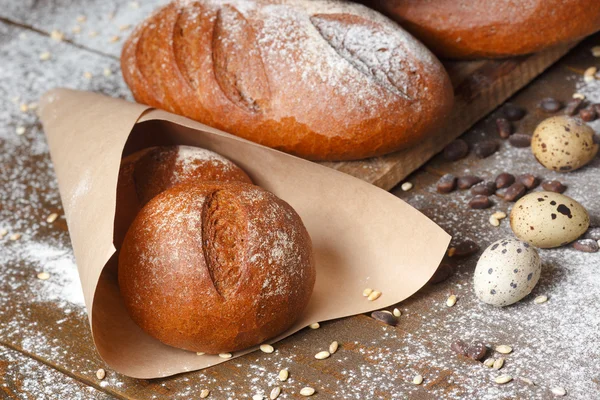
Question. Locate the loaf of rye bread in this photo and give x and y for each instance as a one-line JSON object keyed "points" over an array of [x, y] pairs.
{"points": [[324, 80], [148, 172], [467, 29], [216, 267]]}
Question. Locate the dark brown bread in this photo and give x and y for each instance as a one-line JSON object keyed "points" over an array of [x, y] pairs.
{"points": [[216, 267], [145, 174], [325, 80], [467, 29]]}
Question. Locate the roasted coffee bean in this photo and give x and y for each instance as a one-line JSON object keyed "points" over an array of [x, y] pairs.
{"points": [[554, 186], [528, 180], [465, 249], [551, 105], [513, 112], [446, 184], [484, 189], [456, 150], [593, 233], [519, 140], [480, 202], [514, 192], [465, 182], [476, 351], [588, 114], [459, 347], [586, 245], [505, 128], [573, 106], [443, 272], [485, 149], [386, 318], [504, 180]]}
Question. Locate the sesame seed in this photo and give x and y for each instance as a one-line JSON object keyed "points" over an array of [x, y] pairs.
{"points": [[275, 393], [134, 4], [266, 348], [14, 236], [333, 347], [322, 355], [93, 34], [45, 56], [406, 186], [417, 380], [314, 325], [283, 375], [596, 51], [3, 232], [204, 393], [502, 379], [51, 218], [57, 35], [76, 29], [526, 380], [540, 299], [489, 362], [307, 391], [81, 18], [451, 301], [588, 75], [258, 397], [101, 374], [579, 96], [374, 295], [114, 39], [124, 27], [200, 353], [32, 106], [107, 72], [20, 130], [499, 363], [225, 355], [504, 349], [87, 75], [558, 391], [44, 276], [367, 292], [24, 107]]}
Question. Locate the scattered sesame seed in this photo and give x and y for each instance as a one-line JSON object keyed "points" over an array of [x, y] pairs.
{"points": [[314, 325], [51, 218], [307, 391], [124, 27], [57, 35], [558, 391], [200, 353], [396, 312], [266, 348], [114, 39], [579, 96], [504, 349], [502, 379], [451, 301], [204, 393], [489, 362], [45, 56], [225, 355], [44, 276], [101, 374], [3, 232], [23, 36], [81, 19], [540, 299], [596, 51], [322, 355], [333, 347], [417, 380], [87, 75], [588, 75], [76, 29], [283, 375], [20, 130], [258, 397], [499, 363], [526, 380], [134, 4], [24, 107], [374, 295], [367, 292], [14, 236], [275, 393], [406, 186], [107, 72], [32, 106]]}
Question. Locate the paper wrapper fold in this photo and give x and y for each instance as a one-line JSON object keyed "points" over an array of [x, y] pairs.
{"points": [[362, 236]]}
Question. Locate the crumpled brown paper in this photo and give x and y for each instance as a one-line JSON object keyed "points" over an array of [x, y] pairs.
{"points": [[362, 236]]}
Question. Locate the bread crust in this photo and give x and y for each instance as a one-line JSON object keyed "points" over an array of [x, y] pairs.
{"points": [[467, 29], [324, 80], [216, 267]]}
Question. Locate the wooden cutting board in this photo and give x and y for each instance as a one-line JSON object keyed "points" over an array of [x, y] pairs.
{"points": [[479, 87]]}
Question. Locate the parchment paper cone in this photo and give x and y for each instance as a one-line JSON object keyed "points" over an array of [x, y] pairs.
{"points": [[362, 235]]}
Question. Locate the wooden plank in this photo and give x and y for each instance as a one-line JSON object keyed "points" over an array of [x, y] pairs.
{"points": [[480, 86]]}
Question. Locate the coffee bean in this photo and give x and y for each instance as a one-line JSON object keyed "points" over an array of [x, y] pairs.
{"points": [[573, 106], [476, 351], [465, 249], [504, 180], [528, 180], [588, 114], [550, 105], [459, 347], [480, 202], [456, 150], [520, 140], [586, 245], [484, 189], [386, 318], [486, 148], [465, 182], [514, 192], [554, 186], [443, 272], [513, 112], [446, 184], [593, 233], [505, 128]]}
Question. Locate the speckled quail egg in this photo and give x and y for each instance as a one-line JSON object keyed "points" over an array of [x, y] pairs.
{"points": [[507, 271], [563, 143], [548, 219]]}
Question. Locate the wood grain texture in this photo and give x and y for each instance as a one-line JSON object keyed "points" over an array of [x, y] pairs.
{"points": [[46, 319]]}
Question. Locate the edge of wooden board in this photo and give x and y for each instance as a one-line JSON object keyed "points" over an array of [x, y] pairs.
{"points": [[484, 86]]}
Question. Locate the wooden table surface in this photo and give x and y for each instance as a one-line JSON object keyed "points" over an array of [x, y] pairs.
{"points": [[45, 343]]}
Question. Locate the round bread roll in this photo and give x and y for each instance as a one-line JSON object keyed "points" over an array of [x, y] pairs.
{"points": [[148, 172], [216, 267], [467, 29], [324, 80]]}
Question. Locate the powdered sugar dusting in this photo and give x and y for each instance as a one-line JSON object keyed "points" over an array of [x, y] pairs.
{"points": [[188, 157]]}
